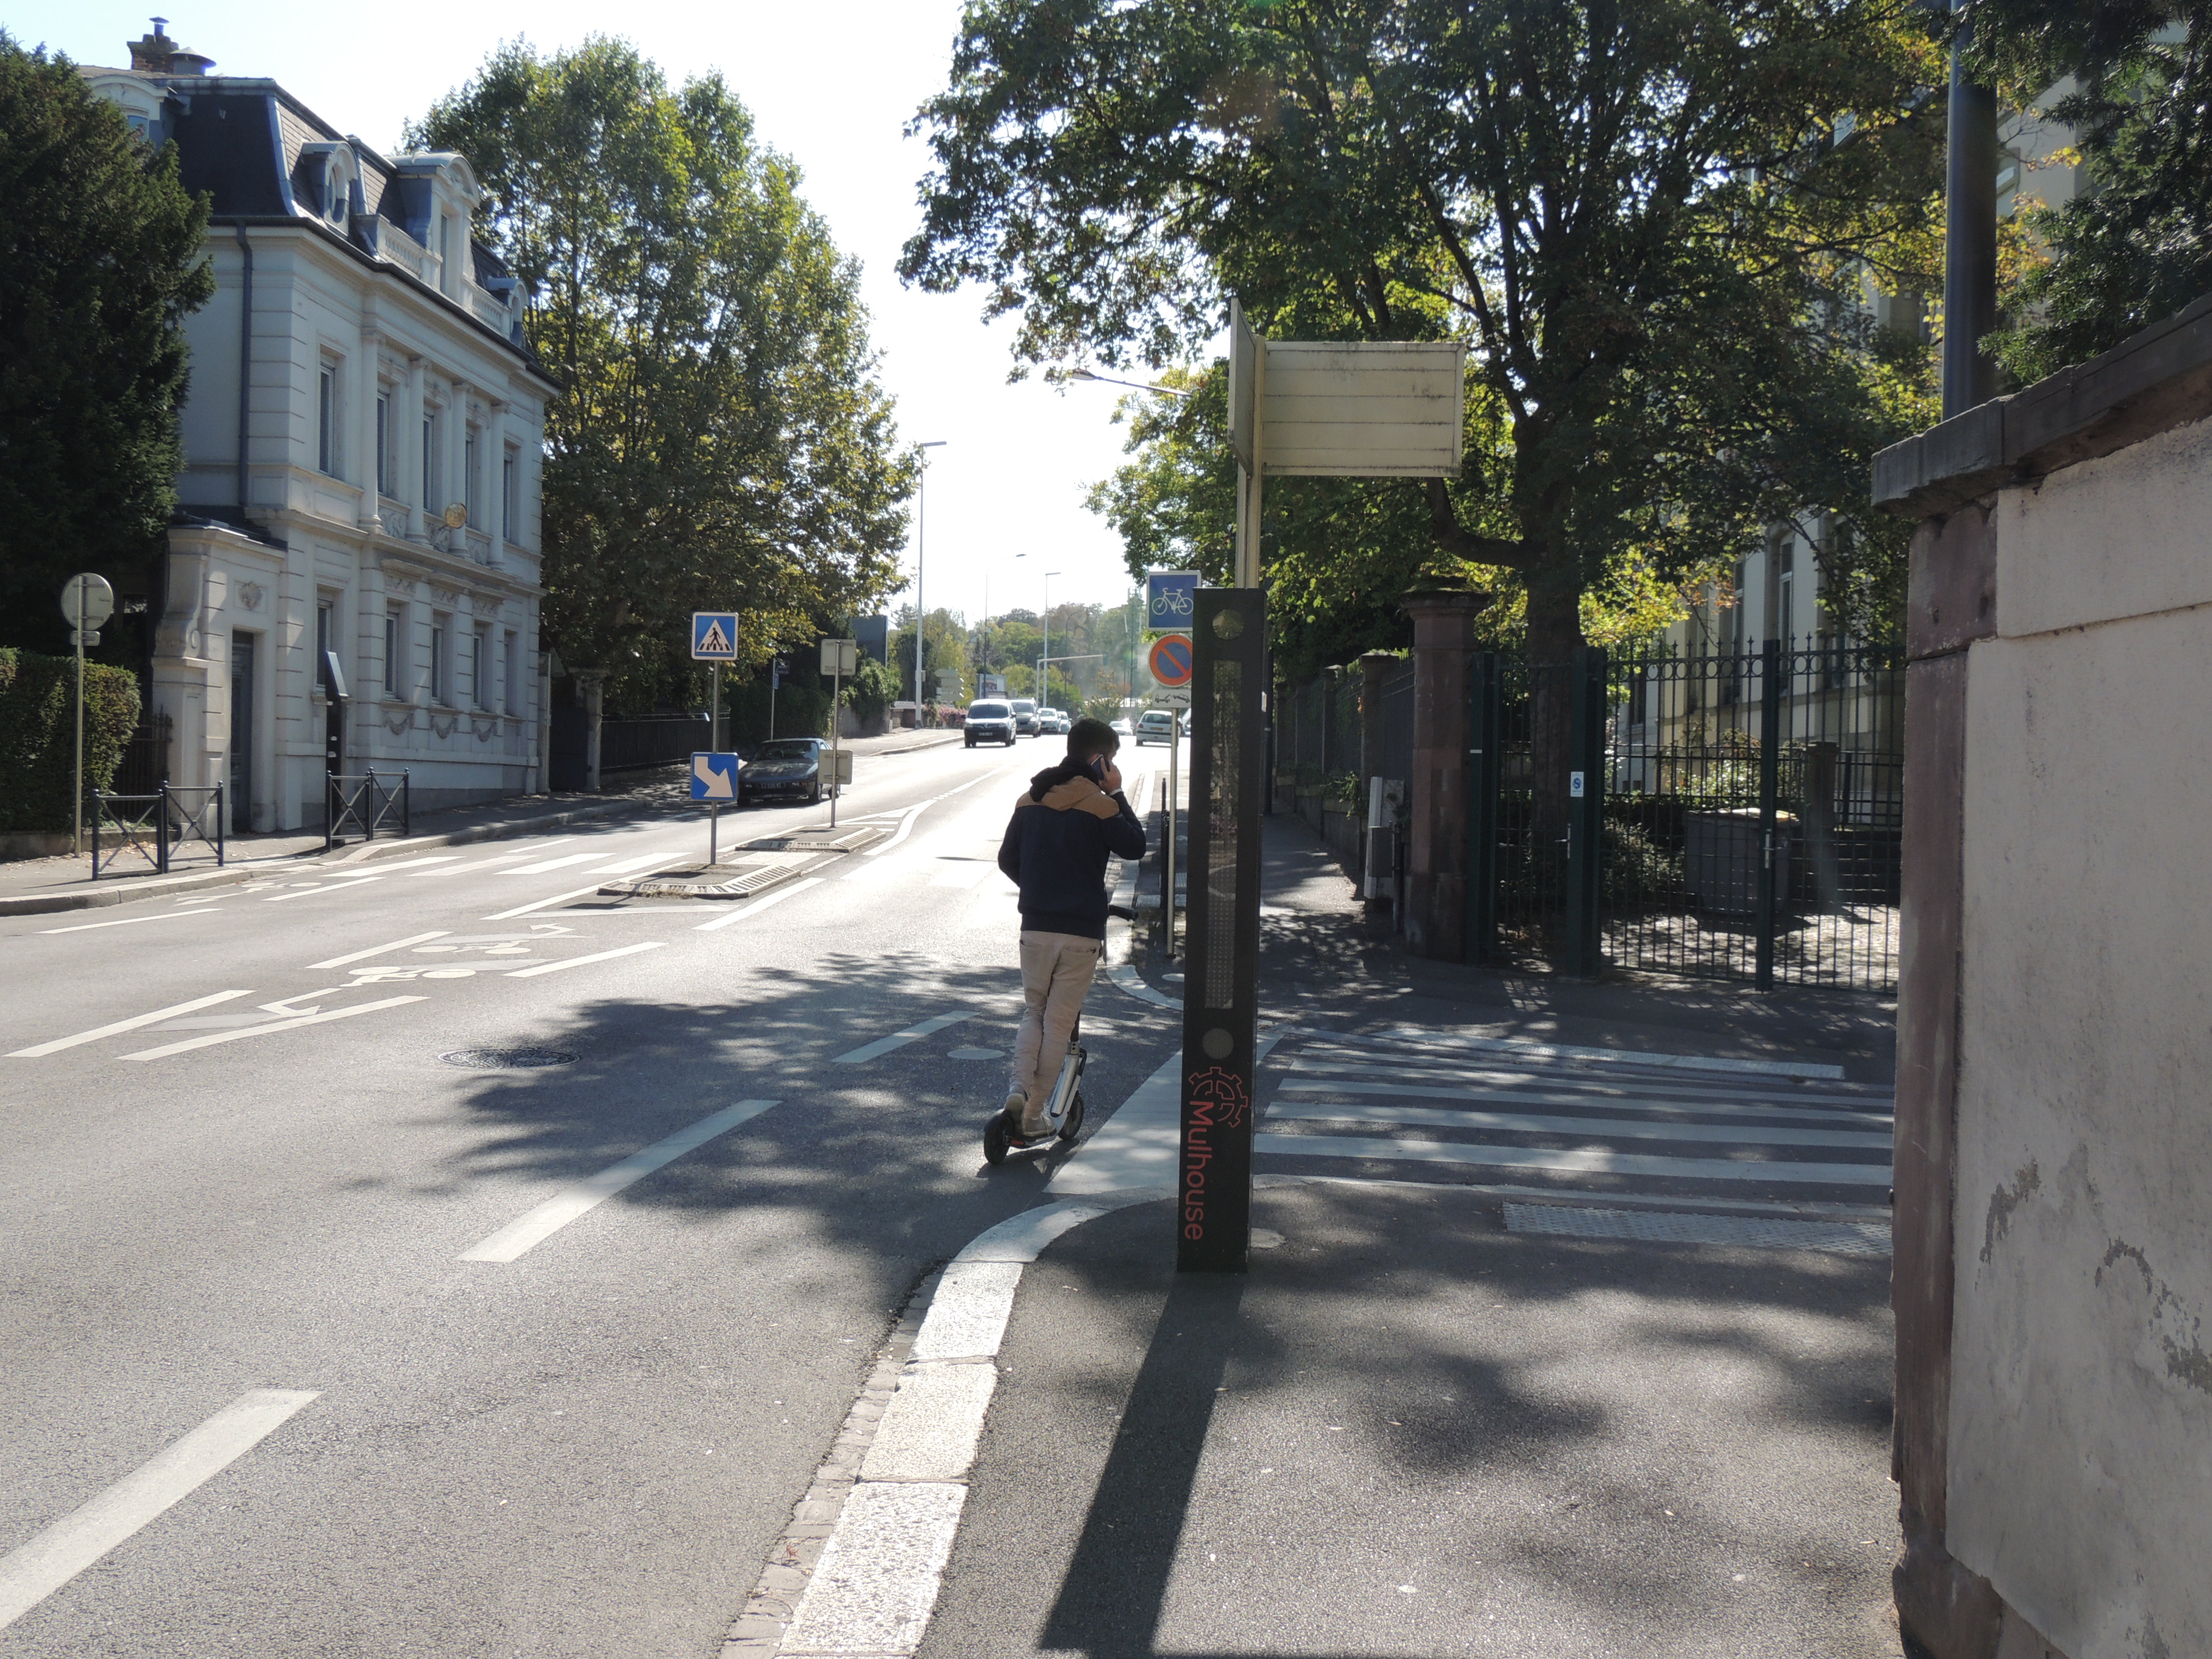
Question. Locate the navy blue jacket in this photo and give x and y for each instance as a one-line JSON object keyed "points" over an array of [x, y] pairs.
{"points": [[1056, 851]]}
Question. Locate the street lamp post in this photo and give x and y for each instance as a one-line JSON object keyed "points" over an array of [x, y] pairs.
{"points": [[921, 533], [1044, 647]]}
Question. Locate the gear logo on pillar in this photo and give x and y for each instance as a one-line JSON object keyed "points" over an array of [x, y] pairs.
{"points": [[713, 636], [1221, 1095]]}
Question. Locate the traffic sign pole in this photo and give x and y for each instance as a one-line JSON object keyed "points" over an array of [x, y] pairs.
{"points": [[714, 742]]}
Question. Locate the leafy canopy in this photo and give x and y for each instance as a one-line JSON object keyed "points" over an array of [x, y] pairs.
{"points": [[2137, 248], [722, 439], [1651, 223], [100, 265]]}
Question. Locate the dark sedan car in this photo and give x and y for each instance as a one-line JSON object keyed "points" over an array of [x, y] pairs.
{"points": [[787, 766]]}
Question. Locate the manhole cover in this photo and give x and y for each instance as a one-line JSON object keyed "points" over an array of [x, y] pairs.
{"points": [[507, 1060]]}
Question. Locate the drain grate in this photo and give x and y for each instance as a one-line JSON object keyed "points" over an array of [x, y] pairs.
{"points": [[507, 1060]]}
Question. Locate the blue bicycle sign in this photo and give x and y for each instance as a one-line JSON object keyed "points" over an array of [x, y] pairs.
{"points": [[1170, 597]]}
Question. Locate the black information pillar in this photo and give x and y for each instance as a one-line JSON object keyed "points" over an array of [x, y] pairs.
{"points": [[1221, 946]]}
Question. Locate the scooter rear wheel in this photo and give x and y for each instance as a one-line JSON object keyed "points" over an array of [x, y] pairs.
{"points": [[994, 1140], [1071, 1125]]}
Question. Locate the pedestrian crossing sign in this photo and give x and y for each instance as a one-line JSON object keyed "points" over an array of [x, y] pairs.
{"points": [[713, 636]]}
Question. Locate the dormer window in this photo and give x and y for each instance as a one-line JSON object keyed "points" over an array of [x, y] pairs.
{"points": [[335, 186]]}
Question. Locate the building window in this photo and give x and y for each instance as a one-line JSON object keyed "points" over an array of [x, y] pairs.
{"points": [[513, 698], [510, 498], [480, 667], [440, 666], [447, 276], [384, 443], [430, 463], [326, 412], [392, 654], [469, 492]]}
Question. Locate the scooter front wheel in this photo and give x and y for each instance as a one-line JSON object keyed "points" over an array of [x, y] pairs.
{"points": [[995, 1140]]}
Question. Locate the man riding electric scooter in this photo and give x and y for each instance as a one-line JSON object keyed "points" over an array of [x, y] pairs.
{"points": [[1071, 818]]}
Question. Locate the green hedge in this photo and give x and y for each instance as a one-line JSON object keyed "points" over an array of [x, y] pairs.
{"points": [[38, 734]]}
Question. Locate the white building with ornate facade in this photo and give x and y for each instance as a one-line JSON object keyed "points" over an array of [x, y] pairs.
{"points": [[363, 437]]}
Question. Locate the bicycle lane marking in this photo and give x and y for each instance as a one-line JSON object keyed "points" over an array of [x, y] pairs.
{"points": [[118, 1027]]}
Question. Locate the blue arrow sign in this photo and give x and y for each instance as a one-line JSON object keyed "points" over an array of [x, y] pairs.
{"points": [[713, 636], [1171, 599], [714, 777]]}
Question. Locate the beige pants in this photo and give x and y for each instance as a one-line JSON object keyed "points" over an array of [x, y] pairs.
{"points": [[1056, 969]]}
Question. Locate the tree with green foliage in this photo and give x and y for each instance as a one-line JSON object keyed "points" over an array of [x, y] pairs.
{"points": [[1648, 222], [2137, 246], [722, 439], [100, 265]]}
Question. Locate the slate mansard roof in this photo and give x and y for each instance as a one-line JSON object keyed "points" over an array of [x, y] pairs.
{"points": [[263, 157]]}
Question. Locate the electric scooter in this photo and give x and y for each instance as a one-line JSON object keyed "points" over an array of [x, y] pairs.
{"points": [[1063, 1116]]}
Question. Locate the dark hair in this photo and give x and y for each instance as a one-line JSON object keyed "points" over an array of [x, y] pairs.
{"points": [[1088, 737]]}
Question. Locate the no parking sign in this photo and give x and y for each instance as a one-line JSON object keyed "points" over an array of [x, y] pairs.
{"points": [[1170, 660]]}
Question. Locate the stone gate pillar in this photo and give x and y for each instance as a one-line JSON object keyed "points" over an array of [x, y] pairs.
{"points": [[1436, 857]]}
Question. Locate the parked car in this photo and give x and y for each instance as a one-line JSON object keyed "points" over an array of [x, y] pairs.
{"points": [[789, 766], [990, 722], [1025, 717], [1052, 721], [1121, 727], [1154, 726]]}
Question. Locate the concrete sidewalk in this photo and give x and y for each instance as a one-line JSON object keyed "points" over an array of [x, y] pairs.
{"points": [[1431, 1419], [37, 886]]}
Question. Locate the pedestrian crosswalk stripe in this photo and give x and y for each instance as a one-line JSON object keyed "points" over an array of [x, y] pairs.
{"points": [[1609, 1102], [1574, 1221], [1602, 1129], [1581, 1160]]}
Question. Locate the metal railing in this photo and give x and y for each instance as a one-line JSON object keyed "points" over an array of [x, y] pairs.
{"points": [[155, 828], [366, 802]]}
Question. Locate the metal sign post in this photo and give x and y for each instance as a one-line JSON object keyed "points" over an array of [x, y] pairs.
{"points": [[839, 659], [86, 601], [1220, 995], [1170, 660], [714, 641]]}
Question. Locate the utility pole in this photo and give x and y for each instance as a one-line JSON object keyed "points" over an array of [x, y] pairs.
{"points": [[1970, 230], [921, 532]]}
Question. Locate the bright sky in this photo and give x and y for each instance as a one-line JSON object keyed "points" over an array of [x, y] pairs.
{"points": [[830, 84]]}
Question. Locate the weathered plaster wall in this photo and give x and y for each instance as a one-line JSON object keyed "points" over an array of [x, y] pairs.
{"points": [[2081, 1398]]}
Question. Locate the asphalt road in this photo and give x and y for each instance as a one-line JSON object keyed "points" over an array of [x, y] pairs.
{"points": [[573, 1435]]}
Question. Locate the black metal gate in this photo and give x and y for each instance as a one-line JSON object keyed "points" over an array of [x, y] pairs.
{"points": [[1732, 815]]}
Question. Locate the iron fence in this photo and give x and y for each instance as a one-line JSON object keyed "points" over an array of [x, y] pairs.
{"points": [[156, 827], [1733, 815], [366, 802], [632, 745]]}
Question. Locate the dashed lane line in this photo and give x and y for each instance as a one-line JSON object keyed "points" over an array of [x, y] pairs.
{"points": [[379, 950], [37, 1569], [131, 1024], [578, 962], [535, 1226], [309, 892], [561, 863], [274, 1026], [759, 904], [868, 1051], [86, 926]]}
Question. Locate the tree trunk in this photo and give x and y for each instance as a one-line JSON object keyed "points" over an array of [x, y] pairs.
{"points": [[1555, 629]]}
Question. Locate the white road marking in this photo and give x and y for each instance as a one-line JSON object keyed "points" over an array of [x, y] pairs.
{"points": [[622, 866], [578, 962], [543, 904], [534, 1226], [378, 949], [759, 904], [1843, 1237], [961, 876], [51, 1559], [1662, 1106], [168, 1049], [100, 1031], [286, 1010], [544, 865], [1591, 1128], [383, 868], [85, 927], [1422, 1036], [906, 820], [305, 892], [899, 1039], [1583, 1160]]}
